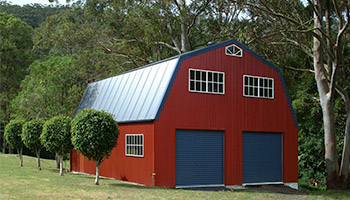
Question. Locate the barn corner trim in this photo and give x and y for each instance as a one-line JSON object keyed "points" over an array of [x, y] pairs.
{"points": [[213, 47]]}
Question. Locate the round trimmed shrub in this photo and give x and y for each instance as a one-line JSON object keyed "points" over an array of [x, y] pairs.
{"points": [[13, 131], [94, 135], [56, 137], [31, 132]]}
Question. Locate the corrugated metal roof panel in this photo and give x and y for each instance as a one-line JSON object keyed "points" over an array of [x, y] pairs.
{"points": [[132, 96]]}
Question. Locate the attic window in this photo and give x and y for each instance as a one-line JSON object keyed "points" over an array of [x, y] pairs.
{"points": [[233, 50], [204, 81], [255, 86]]}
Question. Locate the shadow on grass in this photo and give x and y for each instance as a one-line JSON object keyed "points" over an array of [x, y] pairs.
{"points": [[55, 170], [279, 189], [130, 185], [208, 189]]}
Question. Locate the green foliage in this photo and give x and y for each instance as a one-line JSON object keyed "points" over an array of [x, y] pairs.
{"points": [[56, 135], [2, 137], [31, 132], [94, 134], [13, 131], [50, 89], [15, 57], [32, 14]]}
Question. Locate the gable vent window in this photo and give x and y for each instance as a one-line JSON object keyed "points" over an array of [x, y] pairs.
{"points": [[255, 86], [233, 50], [204, 81], [134, 145]]}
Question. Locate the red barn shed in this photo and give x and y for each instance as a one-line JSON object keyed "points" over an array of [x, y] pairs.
{"points": [[217, 116]]}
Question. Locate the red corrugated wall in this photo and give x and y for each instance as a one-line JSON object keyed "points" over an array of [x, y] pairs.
{"points": [[231, 113], [119, 166]]}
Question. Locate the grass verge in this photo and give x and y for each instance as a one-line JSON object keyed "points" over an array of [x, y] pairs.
{"points": [[28, 183]]}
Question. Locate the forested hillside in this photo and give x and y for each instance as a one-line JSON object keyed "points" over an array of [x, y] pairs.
{"points": [[32, 14], [48, 55]]}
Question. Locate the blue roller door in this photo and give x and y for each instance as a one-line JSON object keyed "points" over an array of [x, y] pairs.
{"points": [[262, 157], [199, 158]]}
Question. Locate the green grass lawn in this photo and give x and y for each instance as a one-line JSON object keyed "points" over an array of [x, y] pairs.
{"points": [[29, 183]]}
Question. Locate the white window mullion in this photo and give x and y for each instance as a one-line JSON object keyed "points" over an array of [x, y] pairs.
{"points": [[261, 89], [134, 145], [205, 79]]}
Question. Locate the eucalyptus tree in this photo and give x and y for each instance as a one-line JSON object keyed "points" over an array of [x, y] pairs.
{"points": [[318, 28]]}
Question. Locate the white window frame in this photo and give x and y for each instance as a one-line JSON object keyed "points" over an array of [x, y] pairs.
{"points": [[134, 145], [206, 82], [259, 87], [232, 53]]}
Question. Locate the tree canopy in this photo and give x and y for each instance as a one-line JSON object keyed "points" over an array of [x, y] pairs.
{"points": [[94, 135], [50, 89], [15, 57], [56, 137], [32, 14], [13, 132], [31, 132]]}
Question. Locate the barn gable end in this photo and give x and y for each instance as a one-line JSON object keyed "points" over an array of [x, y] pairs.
{"points": [[220, 45]]}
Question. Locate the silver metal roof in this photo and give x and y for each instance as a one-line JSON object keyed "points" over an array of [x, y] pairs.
{"points": [[133, 96]]}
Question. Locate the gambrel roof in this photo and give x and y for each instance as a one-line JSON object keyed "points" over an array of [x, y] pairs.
{"points": [[140, 94]]}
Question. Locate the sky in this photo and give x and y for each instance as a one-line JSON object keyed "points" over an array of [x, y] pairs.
{"points": [[44, 2]]}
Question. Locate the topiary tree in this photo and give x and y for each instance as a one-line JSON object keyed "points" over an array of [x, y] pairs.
{"points": [[13, 131], [94, 135], [31, 132], [56, 137]]}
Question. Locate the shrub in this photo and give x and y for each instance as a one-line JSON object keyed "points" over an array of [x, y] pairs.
{"points": [[31, 132], [56, 137], [13, 131], [94, 135]]}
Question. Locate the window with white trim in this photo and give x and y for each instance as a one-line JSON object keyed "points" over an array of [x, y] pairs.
{"points": [[255, 86], [134, 145], [205, 81], [233, 50]]}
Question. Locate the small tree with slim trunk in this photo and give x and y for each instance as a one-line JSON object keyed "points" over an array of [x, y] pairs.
{"points": [[13, 131], [56, 137], [31, 132], [94, 135]]}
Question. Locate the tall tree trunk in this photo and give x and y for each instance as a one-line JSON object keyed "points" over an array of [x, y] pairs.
{"points": [[61, 165], [38, 159], [57, 158], [97, 163], [185, 41], [20, 156], [332, 167], [345, 164]]}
